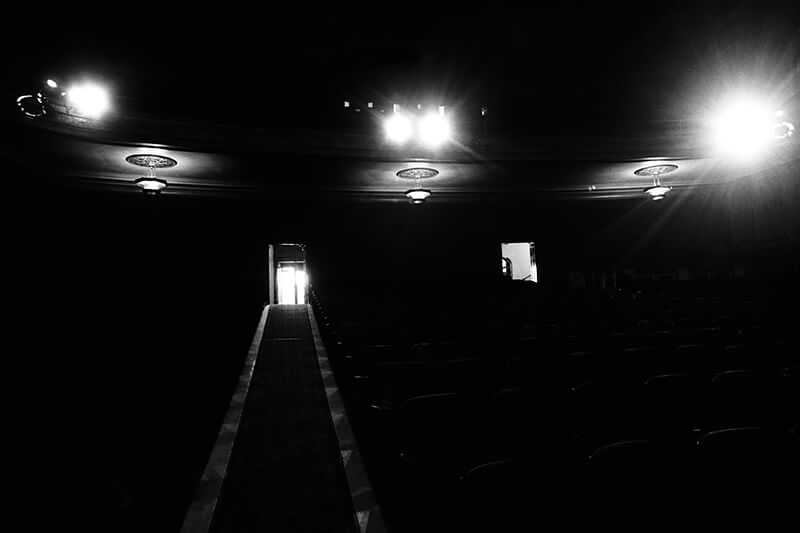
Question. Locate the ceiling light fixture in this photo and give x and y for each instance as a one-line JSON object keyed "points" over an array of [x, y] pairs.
{"points": [[80, 103], [417, 173], [88, 100], [398, 127], [32, 105], [150, 184], [418, 195], [434, 129], [431, 129], [657, 191], [35, 105], [784, 130], [744, 126]]}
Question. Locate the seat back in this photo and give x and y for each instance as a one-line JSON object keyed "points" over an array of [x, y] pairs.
{"points": [[676, 404]]}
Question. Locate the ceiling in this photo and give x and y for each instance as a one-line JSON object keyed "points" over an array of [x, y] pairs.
{"points": [[250, 103]]}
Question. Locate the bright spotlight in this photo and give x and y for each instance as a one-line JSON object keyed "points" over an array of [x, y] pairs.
{"points": [[434, 130], [398, 128], [52, 84], [88, 100], [743, 127]]}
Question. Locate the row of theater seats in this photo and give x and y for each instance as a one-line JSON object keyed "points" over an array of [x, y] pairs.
{"points": [[728, 397], [460, 430], [475, 423], [386, 375], [729, 478], [521, 451], [664, 332], [578, 356]]}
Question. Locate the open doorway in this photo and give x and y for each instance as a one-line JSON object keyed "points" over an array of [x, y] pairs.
{"points": [[288, 278], [519, 261]]}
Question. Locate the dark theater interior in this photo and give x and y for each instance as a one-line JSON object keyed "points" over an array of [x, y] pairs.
{"points": [[445, 266]]}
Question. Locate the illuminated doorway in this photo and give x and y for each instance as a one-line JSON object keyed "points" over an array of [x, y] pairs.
{"points": [[519, 261], [288, 279], [292, 282]]}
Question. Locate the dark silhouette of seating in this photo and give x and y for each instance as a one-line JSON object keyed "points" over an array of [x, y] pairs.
{"points": [[515, 494], [675, 405], [447, 432]]}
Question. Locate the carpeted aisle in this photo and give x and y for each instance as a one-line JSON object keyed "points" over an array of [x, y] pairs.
{"points": [[286, 473]]}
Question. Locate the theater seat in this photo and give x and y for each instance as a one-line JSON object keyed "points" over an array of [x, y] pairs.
{"points": [[393, 383], [467, 375], [742, 398], [641, 362], [784, 353], [366, 357], [748, 468], [695, 358], [531, 419], [606, 410], [641, 481], [654, 461], [788, 396], [675, 405], [533, 371], [517, 494], [448, 432], [741, 356], [437, 352], [757, 334], [580, 367]]}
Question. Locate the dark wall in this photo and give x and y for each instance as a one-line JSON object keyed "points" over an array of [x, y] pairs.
{"points": [[461, 242], [764, 214], [132, 316], [404, 259]]}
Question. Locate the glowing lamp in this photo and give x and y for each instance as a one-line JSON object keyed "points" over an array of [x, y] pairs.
{"points": [[88, 100], [743, 127], [657, 192], [398, 128], [418, 196], [434, 130], [151, 185]]}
